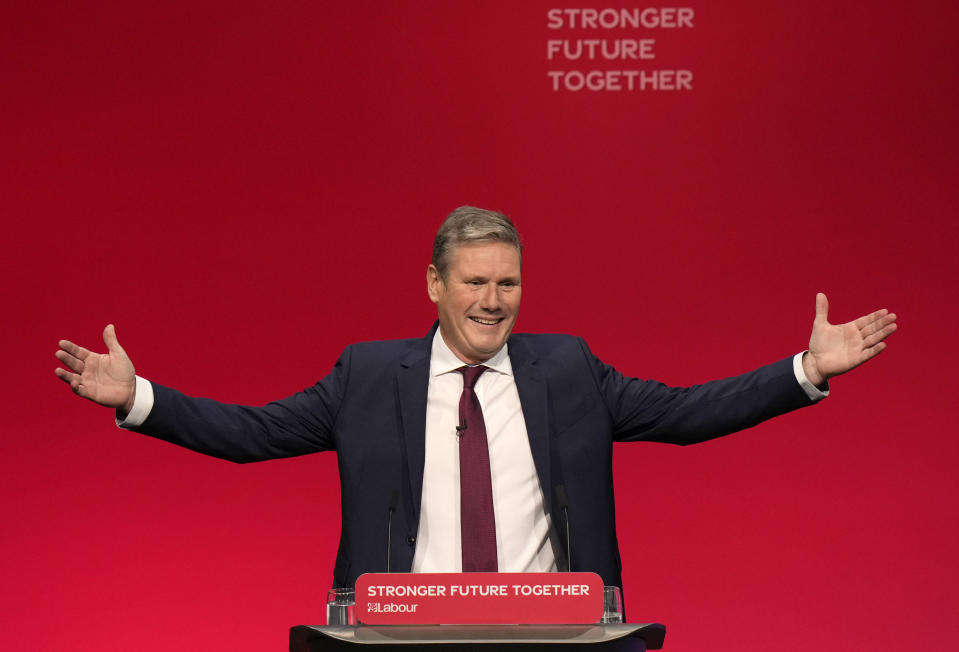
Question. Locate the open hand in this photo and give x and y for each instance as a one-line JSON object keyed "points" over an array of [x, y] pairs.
{"points": [[105, 378], [837, 348]]}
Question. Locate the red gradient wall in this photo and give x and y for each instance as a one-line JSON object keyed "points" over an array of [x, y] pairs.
{"points": [[246, 188]]}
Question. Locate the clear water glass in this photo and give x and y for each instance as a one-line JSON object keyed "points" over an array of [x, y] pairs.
{"points": [[341, 606], [612, 605]]}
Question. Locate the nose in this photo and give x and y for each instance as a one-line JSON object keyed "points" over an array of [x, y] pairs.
{"points": [[490, 299]]}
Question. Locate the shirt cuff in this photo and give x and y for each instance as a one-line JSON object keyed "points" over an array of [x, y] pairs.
{"points": [[814, 393], [142, 405]]}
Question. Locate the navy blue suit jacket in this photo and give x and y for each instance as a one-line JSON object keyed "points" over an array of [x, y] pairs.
{"points": [[371, 410]]}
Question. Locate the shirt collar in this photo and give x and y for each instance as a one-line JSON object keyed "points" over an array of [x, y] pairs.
{"points": [[444, 361]]}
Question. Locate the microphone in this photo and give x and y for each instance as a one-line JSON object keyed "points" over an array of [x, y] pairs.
{"points": [[460, 429], [562, 502], [392, 507]]}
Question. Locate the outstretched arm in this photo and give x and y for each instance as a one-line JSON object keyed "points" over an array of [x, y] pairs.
{"points": [[104, 378], [837, 348]]}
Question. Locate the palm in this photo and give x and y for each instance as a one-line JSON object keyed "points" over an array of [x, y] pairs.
{"points": [[105, 378], [838, 348]]}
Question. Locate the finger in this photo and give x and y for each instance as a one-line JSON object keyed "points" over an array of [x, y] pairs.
{"points": [[75, 363], [110, 339], [879, 336], [878, 324], [73, 349], [865, 320], [822, 307], [866, 354], [63, 374], [73, 380]]}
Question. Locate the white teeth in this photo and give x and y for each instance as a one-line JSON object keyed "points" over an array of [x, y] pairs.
{"points": [[485, 322]]}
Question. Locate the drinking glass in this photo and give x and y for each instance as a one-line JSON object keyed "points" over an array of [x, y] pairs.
{"points": [[341, 606], [612, 605]]}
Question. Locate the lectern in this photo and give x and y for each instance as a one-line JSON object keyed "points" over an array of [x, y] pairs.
{"points": [[630, 637], [462, 612]]}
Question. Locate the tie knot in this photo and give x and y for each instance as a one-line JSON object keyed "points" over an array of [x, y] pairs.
{"points": [[471, 374]]}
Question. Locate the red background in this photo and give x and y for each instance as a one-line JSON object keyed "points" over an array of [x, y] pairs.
{"points": [[246, 188]]}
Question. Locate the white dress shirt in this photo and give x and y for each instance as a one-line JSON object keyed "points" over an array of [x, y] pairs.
{"points": [[522, 524]]}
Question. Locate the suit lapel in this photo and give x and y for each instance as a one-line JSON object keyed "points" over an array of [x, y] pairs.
{"points": [[534, 398], [411, 385]]}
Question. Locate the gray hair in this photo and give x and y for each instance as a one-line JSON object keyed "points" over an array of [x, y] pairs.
{"points": [[471, 225]]}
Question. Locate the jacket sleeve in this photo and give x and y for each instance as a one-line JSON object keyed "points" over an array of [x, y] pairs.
{"points": [[297, 425], [645, 410]]}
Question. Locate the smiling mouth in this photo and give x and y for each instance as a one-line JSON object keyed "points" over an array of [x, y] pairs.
{"points": [[487, 322]]}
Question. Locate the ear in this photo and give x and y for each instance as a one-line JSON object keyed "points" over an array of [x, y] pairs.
{"points": [[434, 283]]}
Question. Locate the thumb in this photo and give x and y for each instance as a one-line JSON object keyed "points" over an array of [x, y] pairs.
{"points": [[110, 339], [822, 308]]}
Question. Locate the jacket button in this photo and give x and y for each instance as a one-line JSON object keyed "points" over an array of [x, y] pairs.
{"points": [[410, 540]]}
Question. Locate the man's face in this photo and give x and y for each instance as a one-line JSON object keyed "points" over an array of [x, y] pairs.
{"points": [[479, 300]]}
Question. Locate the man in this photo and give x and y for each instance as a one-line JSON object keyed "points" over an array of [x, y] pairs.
{"points": [[405, 418]]}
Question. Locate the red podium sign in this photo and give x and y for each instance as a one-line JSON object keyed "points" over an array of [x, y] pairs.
{"points": [[479, 598]]}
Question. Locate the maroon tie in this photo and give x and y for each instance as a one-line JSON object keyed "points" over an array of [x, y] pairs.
{"points": [[477, 523]]}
